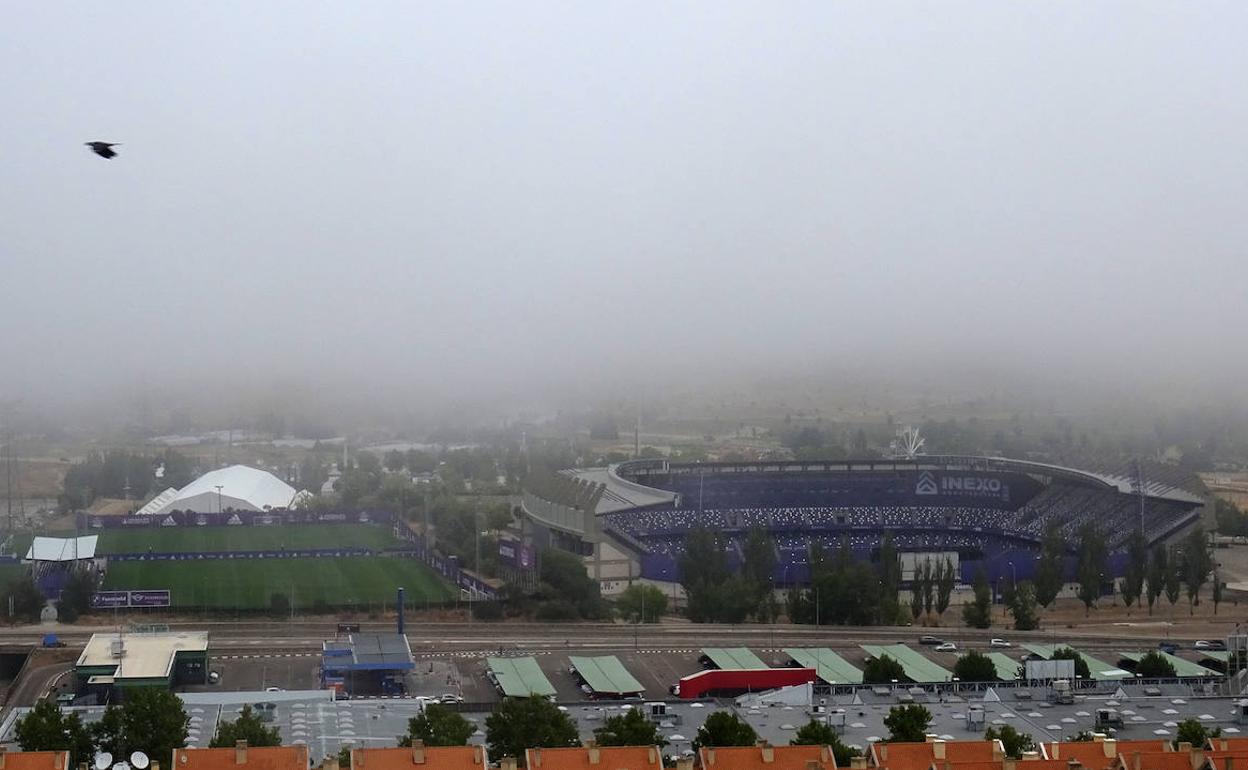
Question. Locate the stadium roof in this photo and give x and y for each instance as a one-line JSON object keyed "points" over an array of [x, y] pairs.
{"points": [[733, 658], [830, 667], [520, 677], [241, 487], [606, 674], [1181, 667], [1099, 669], [62, 548], [620, 494], [918, 668], [1007, 667]]}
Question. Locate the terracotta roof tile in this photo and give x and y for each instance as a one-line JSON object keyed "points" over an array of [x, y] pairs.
{"points": [[248, 758], [765, 758], [420, 758], [34, 760], [595, 758], [920, 756]]}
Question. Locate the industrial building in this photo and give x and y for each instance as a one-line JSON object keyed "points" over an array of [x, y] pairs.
{"points": [[113, 663]]}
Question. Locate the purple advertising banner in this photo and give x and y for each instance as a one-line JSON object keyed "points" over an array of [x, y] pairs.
{"points": [[108, 600], [149, 598], [236, 519]]}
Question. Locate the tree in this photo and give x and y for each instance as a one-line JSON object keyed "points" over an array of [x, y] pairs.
{"points": [[889, 572], [1049, 571], [946, 579], [916, 593], [724, 728], [47, 728], [438, 725], [565, 578], [815, 733], [758, 568], [929, 585], [1173, 579], [907, 723], [882, 670], [632, 728], [76, 596], [1023, 607], [1014, 742], [1153, 665], [1193, 732], [1218, 587], [1091, 566], [703, 574], [526, 723], [150, 720], [977, 613], [1197, 564], [1081, 665], [641, 598], [1156, 575], [975, 666], [27, 601], [1137, 567], [247, 727]]}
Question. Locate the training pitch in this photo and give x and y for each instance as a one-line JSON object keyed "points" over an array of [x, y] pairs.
{"points": [[366, 583]]}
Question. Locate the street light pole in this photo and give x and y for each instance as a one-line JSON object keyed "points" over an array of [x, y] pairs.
{"points": [[219, 498]]}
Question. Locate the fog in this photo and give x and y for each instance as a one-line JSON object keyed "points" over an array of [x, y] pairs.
{"points": [[519, 202]]}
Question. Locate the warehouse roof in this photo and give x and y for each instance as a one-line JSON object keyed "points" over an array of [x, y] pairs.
{"points": [[918, 668], [830, 667], [142, 656], [606, 674], [520, 677], [733, 657]]}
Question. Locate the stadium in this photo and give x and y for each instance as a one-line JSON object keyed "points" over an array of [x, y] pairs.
{"points": [[629, 520]]}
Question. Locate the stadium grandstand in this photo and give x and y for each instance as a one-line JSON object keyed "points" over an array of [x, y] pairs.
{"points": [[629, 521]]}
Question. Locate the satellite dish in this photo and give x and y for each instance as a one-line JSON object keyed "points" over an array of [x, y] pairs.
{"points": [[139, 760], [103, 760], [122, 765]]}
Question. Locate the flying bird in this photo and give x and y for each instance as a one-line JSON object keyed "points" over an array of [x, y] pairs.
{"points": [[103, 149]]}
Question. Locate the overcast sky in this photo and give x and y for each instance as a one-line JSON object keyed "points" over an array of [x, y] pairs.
{"points": [[476, 197]]}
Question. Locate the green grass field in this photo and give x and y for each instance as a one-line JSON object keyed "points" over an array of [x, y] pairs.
{"points": [[248, 584]]}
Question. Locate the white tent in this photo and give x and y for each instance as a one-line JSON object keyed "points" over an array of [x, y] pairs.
{"points": [[62, 548], [238, 487]]}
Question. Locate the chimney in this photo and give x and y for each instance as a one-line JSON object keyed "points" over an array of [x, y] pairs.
{"points": [[1030, 755], [507, 763], [59, 760], [595, 756], [998, 750], [684, 763], [1230, 763], [537, 758], [418, 751], [1098, 737], [1110, 746], [154, 766], [858, 763], [3, 750], [929, 737], [813, 764], [883, 749], [938, 749], [1009, 764], [1185, 747], [652, 755], [710, 757], [478, 755], [1135, 761], [330, 763], [240, 752], [769, 753]]}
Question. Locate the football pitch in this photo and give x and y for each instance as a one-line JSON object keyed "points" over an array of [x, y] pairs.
{"points": [[247, 584]]}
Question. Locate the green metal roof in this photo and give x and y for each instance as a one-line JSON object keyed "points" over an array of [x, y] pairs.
{"points": [[1007, 667], [1222, 655], [733, 657], [1100, 670], [918, 668], [1181, 667], [829, 666], [520, 677], [606, 674]]}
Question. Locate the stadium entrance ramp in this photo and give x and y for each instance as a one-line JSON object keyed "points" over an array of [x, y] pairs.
{"points": [[520, 677], [606, 675]]}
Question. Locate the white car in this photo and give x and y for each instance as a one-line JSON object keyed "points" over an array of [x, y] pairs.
{"points": [[999, 643], [946, 647], [272, 689], [1207, 645]]}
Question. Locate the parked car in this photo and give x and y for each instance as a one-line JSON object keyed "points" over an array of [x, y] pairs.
{"points": [[1168, 647], [931, 640], [449, 697], [947, 647], [999, 643], [214, 677]]}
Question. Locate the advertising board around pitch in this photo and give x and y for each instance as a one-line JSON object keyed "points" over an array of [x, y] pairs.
{"points": [[107, 600]]}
